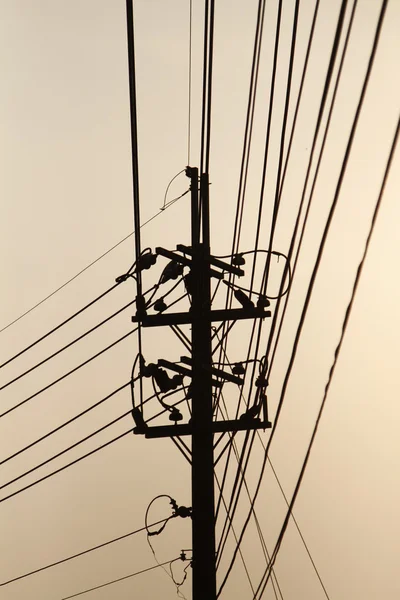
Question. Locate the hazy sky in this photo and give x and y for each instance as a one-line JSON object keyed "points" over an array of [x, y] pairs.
{"points": [[66, 198]]}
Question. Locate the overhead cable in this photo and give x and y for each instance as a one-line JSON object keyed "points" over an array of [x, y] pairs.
{"points": [[345, 323], [59, 427], [66, 466], [82, 553], [320, 251], [46, 335], [48, 386], [119, 579]]}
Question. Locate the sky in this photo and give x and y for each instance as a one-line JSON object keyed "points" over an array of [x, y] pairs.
{"points": [[66, 198]]}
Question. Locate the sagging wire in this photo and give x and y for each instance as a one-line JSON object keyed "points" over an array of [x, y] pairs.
{"points": [[178, 584], [178, 511]]}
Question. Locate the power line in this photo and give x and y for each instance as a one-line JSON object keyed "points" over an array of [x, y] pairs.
{"points": [[190, 77], [324, 94], [119, 579], [22, 402], [78, 554], [83, 335], [239, 480], [66, 466], [84, 412], [65, 450], [89, 453], [342, 334], [157, 214], [46, 335]]}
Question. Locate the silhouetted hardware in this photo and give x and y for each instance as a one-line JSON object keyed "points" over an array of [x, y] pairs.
{"points": [[188, 280], [213, 261], [161, 377], [184, 261], [217, 372], [175, 415], [140, 307], [243, 299], [159, 431], [238, 369], [139, 421], [145, 261], [173, 270], [122, 278], [261, 381], [238, 259], [159, 305], [184, 512], [183, 370], [251, 413], [263, 302], [232, 314]]}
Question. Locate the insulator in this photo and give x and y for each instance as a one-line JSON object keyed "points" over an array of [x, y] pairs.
{"points": [[251, 413], [243, 299], [261, 381], [238, 260], [148, 370], [263, 302], [172, 271], [175, 415], [138, 418], [188, 279], [238, 369], [184, 512], [146, 261], [159, 305]]}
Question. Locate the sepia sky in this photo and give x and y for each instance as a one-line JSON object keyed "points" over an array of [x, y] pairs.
{"points": [[66, 198]]}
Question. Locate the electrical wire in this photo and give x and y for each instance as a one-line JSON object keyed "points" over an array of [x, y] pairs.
{"points": [[66, 466], [48, 386], [160, 530], [320, 250], [344, 325], [78, 554], [157, 214], [76, 444], [238, 222], [74, 418], [329, 72], [190, 77], [340, 22], [164, 206], [117, 580], [65, 450], [311, 195], [46, 335], [89, 331]]}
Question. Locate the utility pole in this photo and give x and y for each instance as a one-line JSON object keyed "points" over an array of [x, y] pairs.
{"points": [[204, 577], [204, 377]]}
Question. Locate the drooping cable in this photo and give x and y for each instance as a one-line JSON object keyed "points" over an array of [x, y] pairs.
{"points": [[65, 450], [117, 580], [135, 166], [82, 553], [83, 335], [59, 427], [57, 327], [345, 323], [119, 437], [49, 385], [320, 252], [270, 361], [190, 79], [124, 239]]}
